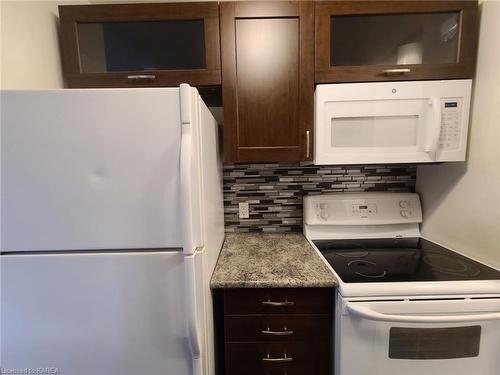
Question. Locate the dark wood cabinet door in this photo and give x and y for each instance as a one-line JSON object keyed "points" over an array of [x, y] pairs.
{"points": [[267, 80], [138, 45], [358, 41]]}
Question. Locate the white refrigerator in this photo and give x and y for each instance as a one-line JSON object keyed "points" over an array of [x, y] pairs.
{"points": [[111, 225]]}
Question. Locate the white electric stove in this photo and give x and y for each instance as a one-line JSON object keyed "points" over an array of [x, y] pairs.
{"points": [[404, 305]]}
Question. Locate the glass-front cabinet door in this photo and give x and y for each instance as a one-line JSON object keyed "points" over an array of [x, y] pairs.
{"points": [[395, 40], [121, 45]]}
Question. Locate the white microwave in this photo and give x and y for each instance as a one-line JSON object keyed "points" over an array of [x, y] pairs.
{"points": [[392, 122]]}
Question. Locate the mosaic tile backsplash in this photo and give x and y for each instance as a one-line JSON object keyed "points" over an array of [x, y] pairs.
{"points": [[275, 191]]}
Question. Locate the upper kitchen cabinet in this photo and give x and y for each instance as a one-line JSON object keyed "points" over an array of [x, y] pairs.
{"points": [[267, 80], [129, 45], [395, 40]]}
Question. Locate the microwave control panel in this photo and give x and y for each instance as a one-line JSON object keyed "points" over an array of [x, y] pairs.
{"points": [[451, 112]]}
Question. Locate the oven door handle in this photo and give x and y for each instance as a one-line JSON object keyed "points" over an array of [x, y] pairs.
{"points": [[368, 313]]}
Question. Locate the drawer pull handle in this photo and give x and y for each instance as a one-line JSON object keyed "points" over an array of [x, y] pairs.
{"points": [[278, 303], [308, 144], [285, 332], [285, 358], [141, 77], [388, 72]]}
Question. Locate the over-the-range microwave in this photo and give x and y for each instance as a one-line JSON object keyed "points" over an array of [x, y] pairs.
{"points": [[392, 122]]}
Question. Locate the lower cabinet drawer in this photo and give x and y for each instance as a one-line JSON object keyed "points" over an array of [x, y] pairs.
{"points": [[277, 301], [277, 358], [276, 328]]}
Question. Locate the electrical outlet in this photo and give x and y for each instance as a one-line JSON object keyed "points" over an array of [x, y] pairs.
{"points": [[243, 208]]}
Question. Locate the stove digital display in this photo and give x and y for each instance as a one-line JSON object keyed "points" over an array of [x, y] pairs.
{"points": [[363, 210]]}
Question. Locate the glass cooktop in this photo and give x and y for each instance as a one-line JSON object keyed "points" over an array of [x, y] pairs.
{"points": [[399, 260]]}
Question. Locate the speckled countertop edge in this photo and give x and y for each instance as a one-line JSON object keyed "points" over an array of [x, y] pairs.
{"points": [[261, 260]]}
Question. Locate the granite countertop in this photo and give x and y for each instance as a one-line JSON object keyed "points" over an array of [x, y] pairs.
{"points": [[260, 260]]}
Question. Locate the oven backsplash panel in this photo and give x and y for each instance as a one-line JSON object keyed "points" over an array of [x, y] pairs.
{"points": [[275, 191]]}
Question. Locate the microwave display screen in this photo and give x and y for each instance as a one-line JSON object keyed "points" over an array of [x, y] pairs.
{"points": [[450, 104]]}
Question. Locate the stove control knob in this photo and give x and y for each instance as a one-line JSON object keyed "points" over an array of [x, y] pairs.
{"points": [[403, 204], [324, 215], [405, 213]]}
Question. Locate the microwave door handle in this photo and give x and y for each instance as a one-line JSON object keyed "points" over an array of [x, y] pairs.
{"points": [[369, 314], [432, 142]]}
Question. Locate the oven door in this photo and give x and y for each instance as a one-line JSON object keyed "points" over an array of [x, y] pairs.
{"points": [[418, 337]]}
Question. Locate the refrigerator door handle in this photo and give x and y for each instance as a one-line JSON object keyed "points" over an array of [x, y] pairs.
{"points": [[185, 103], [186, 169], [192, 321]]}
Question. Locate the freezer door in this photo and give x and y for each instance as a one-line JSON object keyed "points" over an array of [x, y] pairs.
{"points": [[95, 313], [90, 169]]}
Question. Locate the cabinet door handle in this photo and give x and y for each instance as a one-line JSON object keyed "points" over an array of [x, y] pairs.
{"points": [[388, 72], [282, 359], [308, 144], [285, 332], [278, 303], [143, 77]]}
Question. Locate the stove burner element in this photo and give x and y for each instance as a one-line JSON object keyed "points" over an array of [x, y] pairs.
{"points": [[364, 265], [354, 254], [450, 265]]}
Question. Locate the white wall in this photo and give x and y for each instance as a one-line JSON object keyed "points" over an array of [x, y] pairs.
{"points": [[30, 48], [462, 200]]}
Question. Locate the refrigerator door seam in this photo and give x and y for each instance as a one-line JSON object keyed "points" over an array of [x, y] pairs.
{"points": [[91, 251]]}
